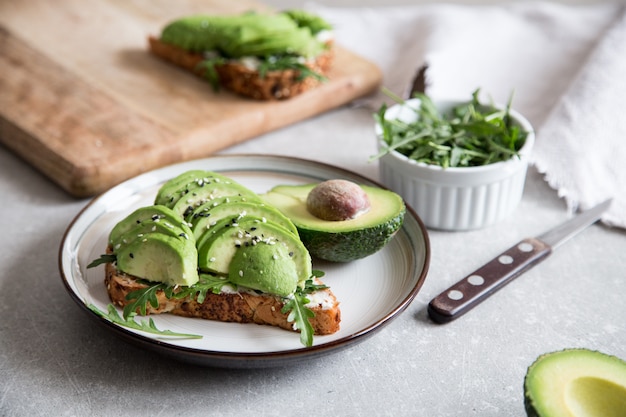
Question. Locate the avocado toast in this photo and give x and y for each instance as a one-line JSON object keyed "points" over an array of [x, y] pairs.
{"points": [[261, 56], [210, 248]]}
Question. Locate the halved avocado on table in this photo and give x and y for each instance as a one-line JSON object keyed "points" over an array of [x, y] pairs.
{"points": [[576, 383], [343, 240]]}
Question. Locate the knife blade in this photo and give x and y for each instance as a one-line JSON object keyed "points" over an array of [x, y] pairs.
{"points": [[492, 276]]}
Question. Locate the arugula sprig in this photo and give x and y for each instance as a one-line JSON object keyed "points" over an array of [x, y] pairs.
{"points": [[294, 306], [267, 64], [287, 62], [299, 313], [103, 259], [141, 298], [145, 325], [471, 134]]}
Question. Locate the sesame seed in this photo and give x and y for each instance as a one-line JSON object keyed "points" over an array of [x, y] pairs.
{"points": [[290, 254], [212, 259], [240, 273], [275, 257]]}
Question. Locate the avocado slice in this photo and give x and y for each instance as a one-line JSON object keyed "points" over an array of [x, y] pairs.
{"points": [[206, 219], [168, 190], [247, 34], [197, 193], [156, 214], [182, 185], [145, 227], [264, 267], [576, 382], [215, 254], [346, 240], [161, 258]]}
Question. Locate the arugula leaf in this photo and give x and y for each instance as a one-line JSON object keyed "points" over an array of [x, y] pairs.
{"points": [[103, 259], [140, 298], [286, 62], [210, 73], [199, 290], [299, 314], [472, 134], [147, 325]]}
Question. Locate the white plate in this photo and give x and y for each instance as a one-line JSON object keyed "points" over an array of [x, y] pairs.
{"points": [[371, 291]]}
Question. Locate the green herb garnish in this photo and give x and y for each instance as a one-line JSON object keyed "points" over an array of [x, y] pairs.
{"points": [[145, 326], [139, 300], [472, 134], [267, 64], [299, 314], [103, 259], [288, 62]]}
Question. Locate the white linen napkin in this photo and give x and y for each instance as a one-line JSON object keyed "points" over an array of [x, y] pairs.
{"points": [[561, 63]]}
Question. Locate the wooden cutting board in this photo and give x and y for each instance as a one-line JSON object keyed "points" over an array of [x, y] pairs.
{"points": [[83, 102]]}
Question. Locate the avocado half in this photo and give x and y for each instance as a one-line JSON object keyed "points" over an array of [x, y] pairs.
{"points": [[576, 383], [345, 240]]}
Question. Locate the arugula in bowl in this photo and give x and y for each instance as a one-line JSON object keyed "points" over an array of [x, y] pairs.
{"points": [[466, 134]]}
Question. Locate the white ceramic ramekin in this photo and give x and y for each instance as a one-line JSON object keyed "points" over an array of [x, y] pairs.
{"points": [[456, 199]]}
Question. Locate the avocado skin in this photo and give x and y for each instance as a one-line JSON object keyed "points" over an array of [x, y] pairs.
{"points": [[341, 241], [593, 358], [351, 245]]}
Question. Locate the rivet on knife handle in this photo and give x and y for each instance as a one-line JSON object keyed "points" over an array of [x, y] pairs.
{"points": [[480, 284]]}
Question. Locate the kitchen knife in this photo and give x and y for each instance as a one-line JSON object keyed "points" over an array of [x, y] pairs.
{"points": [[486, 280]]}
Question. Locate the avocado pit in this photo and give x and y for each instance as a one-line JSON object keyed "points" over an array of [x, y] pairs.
{"points": [[337, 200]]}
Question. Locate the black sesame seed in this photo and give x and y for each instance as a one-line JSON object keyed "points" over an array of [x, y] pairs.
{"points": [[290, 254], [132, 256]]}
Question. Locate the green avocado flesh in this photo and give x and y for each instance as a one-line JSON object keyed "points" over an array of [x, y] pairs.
{"points": [[204, 219], [209, 223], [576, 383], [248, 34], [341, 241], [161, 258], [186, 199], [215, 254], [188, 183], [160, 215], [264, 267]]}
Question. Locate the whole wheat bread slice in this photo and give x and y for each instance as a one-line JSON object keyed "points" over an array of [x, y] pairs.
{"points": [[239, 307], [234, 76]]}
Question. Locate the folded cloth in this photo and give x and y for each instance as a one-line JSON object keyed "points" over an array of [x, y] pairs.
{"points": [[552, 58], [581, 148]]}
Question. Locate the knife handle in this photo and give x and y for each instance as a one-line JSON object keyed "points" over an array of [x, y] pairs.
{"points": [[486, 280]]}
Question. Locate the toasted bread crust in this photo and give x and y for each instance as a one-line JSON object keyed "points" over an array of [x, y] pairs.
{"points": [[274, 85], [237, 307]]}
